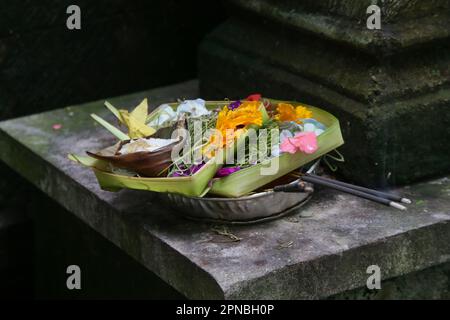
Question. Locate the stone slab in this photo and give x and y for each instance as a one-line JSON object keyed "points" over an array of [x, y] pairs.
{"points": [[290, 258]]}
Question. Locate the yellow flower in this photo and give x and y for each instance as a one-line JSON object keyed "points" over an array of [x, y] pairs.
{"points": [[231, 123], [287, 112], [247, 113]]}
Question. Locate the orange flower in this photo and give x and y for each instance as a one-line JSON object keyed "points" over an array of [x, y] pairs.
{"points": [[287, 112], [231, 123], [247, 113]]}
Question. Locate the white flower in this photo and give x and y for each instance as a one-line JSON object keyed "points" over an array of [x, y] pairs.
{"points": [[196, 108], [166, 115], [312, 125]]}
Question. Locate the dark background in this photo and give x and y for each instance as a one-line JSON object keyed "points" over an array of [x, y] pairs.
{"points": [[123, 46]]}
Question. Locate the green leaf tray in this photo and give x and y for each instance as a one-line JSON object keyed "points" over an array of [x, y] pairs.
{"points": [[249, 179], [235, 185]]}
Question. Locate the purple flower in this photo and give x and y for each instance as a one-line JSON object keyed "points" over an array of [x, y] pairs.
{"points": [[179, 174], [189, 171], [226, 171], [193, 169], [234, 105]]}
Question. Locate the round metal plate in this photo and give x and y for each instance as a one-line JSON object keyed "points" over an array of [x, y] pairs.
{"points": [[254, 208]]}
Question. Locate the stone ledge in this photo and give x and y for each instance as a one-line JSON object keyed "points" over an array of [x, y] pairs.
{"points": [[329, 253]]}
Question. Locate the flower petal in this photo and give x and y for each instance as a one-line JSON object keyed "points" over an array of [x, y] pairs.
{"points": [[195, 107], [305, 142], [288, 146], [223, 172], [254, 97], [234, 105]]}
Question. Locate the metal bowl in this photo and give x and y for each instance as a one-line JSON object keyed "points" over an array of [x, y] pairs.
{"points": [[254, 208]]}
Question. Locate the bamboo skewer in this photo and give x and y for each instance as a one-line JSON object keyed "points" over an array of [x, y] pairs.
{"points": [[366, 190], [362, 194]]}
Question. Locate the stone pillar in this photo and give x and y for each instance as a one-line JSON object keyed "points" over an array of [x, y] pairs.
{"points": [[390, 88]]}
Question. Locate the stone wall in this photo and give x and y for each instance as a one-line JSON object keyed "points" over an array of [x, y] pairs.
{"points": [[390, 88], [122, 47]]}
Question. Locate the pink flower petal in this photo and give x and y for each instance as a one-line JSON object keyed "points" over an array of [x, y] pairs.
{"points": [[254, 97], [57, 126], [305, 142], [288, 146]]}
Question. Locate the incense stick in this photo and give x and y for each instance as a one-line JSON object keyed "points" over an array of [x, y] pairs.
{"points": [[358, 193], [366, 190]]}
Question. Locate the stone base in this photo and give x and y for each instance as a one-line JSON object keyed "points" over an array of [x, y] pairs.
{"points": [[392, 110], [431, 283], [16, 259], [107, 272], [290, 258]]}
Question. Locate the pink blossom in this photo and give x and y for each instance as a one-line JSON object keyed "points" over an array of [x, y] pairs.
{"points": [[254, 97], [305, 142], [288, 146]]}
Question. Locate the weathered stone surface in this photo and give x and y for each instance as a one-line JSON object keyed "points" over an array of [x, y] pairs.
{"points": [[405, 23], [391, 108], [290, 258], [360, 77], [432, 283], [123, 46], [393, 10], [107, 272]]}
